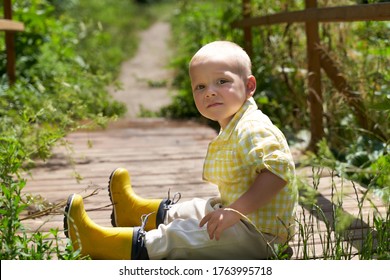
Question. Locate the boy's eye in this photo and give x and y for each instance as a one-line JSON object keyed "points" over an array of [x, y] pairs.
{"points": [[199, 87], [222, 81]]}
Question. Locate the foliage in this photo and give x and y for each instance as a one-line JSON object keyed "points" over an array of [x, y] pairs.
{"points": [[56, 86], [369, 167], [67, 55]]}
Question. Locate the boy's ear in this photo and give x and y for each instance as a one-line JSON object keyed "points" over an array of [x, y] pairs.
{"points": [[250, 86]]}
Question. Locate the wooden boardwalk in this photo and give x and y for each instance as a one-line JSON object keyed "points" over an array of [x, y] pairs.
{"points": [[161, 155]]}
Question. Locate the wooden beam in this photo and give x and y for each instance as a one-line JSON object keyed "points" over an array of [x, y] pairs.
{"points": [[10, 25], [314, 79], [364, 12]]}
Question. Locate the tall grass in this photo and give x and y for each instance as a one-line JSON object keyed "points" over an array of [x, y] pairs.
{"points": [[327, 231], [331, 229]]}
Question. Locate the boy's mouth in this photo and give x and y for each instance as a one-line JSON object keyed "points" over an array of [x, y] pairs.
{"points": [[215, 104]]}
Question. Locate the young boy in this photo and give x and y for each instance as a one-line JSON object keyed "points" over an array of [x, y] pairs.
{"points": [[249, 160]]}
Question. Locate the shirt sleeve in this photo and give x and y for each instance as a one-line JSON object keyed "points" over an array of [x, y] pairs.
{"points": [[264, 146]]}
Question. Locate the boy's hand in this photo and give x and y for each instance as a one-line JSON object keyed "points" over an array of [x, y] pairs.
{"points": [[219, 220]]}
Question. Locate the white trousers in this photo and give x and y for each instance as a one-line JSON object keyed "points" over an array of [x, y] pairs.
{"points": [[180, 237]]}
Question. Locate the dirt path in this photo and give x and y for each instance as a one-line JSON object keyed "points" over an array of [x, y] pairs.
{"points": [[145, 78]]}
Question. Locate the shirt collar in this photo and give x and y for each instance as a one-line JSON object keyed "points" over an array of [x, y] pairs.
{"points": [[249, 106]]}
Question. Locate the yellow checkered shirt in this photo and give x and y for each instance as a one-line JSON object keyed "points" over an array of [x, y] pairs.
{"points": [[248, 144]]}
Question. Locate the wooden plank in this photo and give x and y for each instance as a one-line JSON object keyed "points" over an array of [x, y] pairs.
{"points": [[10, 25], [363, 12]]}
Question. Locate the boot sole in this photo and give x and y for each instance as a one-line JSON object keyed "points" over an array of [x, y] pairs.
{"points": [[66, 215], [113, 223]]}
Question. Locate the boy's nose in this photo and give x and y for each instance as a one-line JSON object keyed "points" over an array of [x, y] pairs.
{"points": [[210, 92]]}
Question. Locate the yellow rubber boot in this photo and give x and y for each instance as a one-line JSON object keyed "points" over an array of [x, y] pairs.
{"points": [[96, 241], [128, 208]]}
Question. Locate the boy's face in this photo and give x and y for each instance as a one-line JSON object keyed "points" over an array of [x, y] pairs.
{"points": [[218, 90]]}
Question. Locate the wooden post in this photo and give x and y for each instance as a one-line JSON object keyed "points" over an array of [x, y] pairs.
{"points": [[314, 79], [246, 13], [10, 44]]}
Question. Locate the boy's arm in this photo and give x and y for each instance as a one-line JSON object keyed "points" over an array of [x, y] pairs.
{"points": [[265, 187]]}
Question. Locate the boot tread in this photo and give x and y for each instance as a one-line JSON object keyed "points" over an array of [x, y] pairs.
{"points": [[66, 210]]}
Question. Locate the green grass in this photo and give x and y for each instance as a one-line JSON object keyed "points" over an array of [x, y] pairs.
{"points": [[326, 231]]}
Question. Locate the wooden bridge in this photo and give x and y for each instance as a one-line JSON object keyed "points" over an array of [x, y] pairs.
{"points": [[164, 155]]}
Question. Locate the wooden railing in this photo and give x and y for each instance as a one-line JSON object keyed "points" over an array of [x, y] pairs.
{"points": [[317, 56], [10, 27]]}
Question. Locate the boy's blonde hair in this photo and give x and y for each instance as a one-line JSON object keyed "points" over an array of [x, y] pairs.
{"points": [[225, 49]]}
